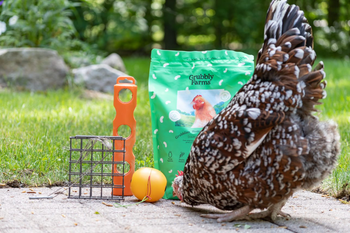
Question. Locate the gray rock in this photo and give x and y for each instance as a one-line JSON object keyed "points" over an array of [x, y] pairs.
{"points": [[35, 69], [114, 61], [98, 77]]}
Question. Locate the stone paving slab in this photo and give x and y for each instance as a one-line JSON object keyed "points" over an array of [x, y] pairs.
{"points": [[310, 212]]}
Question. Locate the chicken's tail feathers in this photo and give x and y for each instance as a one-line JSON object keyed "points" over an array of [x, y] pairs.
{"points": [[312, 85], [324, 149], [287, 35], [281, 17], [287, 56]]}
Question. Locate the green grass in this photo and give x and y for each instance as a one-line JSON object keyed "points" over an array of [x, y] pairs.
{"points": [[35, 130], [336, 106], [35, 127], [186, 121]]}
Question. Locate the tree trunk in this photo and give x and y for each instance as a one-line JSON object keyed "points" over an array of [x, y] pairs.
{"points": [[218, 24], [169, 23], [108, 7], [333, 11], [147, 38]]}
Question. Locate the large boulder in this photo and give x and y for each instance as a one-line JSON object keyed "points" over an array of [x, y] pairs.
{"points": [[114, 61], [35, 69], [98, 77]]}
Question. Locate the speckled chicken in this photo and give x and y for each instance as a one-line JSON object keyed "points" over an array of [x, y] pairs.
{"points": [[265, 144]]}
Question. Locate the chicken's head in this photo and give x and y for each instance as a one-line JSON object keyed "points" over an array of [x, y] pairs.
{"points": [[198, 102], [177, 185]]}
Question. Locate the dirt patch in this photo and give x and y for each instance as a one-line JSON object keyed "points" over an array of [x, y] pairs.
{"points": [[320, 191], [344, 194], [59, 183], [14, 184]]}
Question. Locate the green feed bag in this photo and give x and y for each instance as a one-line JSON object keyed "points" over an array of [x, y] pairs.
{"points": [[186, 90]]}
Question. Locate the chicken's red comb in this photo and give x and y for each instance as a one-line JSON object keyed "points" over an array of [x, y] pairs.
{"points": [[181, 173], [196, 97]]}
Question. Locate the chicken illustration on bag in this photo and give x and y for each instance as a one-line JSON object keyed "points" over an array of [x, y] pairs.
{"points": [[204, 111]]}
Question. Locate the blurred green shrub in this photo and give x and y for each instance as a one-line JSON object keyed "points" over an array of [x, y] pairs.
{"points": [[38, 23]]}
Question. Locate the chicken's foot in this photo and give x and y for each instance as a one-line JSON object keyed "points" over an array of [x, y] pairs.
{"points": [[268, 213], [271, 212], [239, 214]]}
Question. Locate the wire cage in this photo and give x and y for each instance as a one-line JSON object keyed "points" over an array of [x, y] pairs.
{"points": [[93, 163]]}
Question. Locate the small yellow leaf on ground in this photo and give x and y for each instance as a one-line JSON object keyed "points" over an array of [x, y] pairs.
{"points": [[63, 215], [344, 202], [285, 227], [31, 189], [75, 224], [24, 191]]}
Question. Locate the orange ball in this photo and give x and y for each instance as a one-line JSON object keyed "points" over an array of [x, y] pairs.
{"points": [[148, 182]]}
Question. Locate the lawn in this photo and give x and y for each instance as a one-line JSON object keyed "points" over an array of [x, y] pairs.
{"points": [[35, 127]]}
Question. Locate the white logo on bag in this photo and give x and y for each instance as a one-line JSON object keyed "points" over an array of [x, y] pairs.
{"points": [[174, 115], [225, 95]]}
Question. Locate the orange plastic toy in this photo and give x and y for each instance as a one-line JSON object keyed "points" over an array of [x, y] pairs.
{"points": [[148, 183], [124, 116]]}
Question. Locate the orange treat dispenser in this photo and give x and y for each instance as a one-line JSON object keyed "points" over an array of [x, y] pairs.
{"points": [[124, 116], [148, 184]]}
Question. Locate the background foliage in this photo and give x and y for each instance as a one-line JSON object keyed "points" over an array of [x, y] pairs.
{"points": [[38, 23], [137, 26], [84, 31]]}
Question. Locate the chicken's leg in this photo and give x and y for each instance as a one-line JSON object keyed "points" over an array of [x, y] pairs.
{"points": [[239, 214], [271, 212]]}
